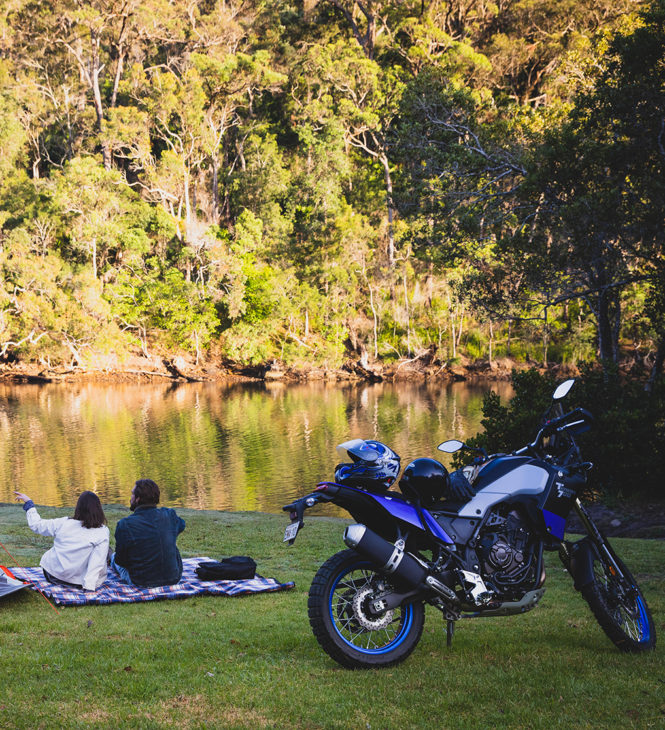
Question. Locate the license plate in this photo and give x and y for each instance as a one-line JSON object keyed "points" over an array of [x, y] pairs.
{"points": [[291, 531]]}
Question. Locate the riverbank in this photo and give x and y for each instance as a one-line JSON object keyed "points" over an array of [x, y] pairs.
{"points": [[253, 662], [181, 369]]}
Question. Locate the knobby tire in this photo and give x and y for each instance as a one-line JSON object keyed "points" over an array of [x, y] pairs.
{"points": [[340, 579], [619, 607]]}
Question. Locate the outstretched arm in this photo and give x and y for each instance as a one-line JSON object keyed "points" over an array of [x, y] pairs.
{"points": [[35, 522]]}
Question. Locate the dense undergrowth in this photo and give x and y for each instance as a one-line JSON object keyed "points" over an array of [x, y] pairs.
{"points": [[626, 442]]}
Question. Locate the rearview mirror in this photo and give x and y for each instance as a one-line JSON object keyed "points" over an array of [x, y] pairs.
{"points": [[562, 389], [451, 446]]}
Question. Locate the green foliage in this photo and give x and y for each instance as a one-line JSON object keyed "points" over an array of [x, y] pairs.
{"points": [[625, 444], [48, 311], [161, 303], [280, 181], [511, 426], [13, 137]]}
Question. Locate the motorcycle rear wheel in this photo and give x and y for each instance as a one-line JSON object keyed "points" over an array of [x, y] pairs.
{"points": [[619, 606], [346, 630]]}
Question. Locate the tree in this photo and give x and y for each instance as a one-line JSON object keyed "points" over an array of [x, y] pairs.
{"points": [[336, 85], [159, 304], [599, 179], [462, 162], [98, 212], [46, 310], [83, 47], [231, 82]]}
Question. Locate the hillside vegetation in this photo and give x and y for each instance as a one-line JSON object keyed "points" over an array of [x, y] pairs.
{"points": [[319, 180]]}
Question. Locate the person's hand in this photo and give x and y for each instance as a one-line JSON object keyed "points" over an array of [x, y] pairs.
{"points": [[20, 497]]}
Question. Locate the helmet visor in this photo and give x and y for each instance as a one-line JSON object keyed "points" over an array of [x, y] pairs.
{"points": [[357, 450]]}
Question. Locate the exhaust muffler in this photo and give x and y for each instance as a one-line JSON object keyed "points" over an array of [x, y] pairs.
{"points": [[404, 571]]}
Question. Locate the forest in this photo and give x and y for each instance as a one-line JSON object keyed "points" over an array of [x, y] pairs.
{"points": [[305, 181]]}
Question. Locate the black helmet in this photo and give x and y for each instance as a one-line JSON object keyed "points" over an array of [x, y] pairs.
{"points": [[373, 466], [424, 481]]}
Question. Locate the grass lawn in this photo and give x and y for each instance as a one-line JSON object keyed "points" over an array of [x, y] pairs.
{"points": [[252, 661]]}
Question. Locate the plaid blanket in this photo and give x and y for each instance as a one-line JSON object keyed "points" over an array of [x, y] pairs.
{"points": [[113, 591]]}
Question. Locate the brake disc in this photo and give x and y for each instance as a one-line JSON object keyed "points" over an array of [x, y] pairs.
{"points": [[370, 623]]}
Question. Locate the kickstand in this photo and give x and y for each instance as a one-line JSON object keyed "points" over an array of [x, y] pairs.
{"points": [[450, 630]]}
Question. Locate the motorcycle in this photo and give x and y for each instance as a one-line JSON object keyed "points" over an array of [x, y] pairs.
{"points": [[481, 556]]}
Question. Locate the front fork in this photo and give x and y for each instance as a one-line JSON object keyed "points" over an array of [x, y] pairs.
{"points": [[576, 556]]}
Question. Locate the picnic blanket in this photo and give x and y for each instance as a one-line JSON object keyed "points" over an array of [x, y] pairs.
{"points": [[113, 591]]}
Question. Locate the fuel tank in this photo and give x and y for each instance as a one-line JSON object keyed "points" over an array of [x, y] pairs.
{"points": [[507, 476]]}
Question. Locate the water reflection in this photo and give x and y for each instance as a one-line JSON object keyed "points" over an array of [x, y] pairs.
{"points": [[212, 446]]}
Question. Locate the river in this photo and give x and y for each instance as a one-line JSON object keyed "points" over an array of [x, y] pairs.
{"points": [[214, 446]]}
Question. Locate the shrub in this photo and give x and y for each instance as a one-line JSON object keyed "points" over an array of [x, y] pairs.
{"points": [[626, 443]]}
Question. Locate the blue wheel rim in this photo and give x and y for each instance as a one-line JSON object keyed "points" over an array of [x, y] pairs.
{"points": [[367, 641], [644, 620]]}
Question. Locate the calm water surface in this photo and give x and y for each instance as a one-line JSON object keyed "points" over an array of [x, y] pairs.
{"points": [[225, 447]]}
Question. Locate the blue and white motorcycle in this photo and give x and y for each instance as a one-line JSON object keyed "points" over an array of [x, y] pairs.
{"points": [[470, 543]]}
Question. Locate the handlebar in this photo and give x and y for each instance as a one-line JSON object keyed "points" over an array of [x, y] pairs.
{"points": [[554, 426]]}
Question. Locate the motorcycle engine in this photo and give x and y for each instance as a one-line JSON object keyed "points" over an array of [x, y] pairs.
{"points": [[507, 554]]}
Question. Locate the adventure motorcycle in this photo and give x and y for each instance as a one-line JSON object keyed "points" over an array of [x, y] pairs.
{"points": [[478, 556]]}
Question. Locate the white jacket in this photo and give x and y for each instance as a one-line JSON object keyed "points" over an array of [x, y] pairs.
{"points": [[78, 554]]}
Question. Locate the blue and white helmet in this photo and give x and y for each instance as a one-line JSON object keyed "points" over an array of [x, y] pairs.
{"points": [[368, 465]]}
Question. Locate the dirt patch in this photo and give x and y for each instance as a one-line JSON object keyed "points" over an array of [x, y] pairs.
{"points": [[643, 520], [194, 711]]}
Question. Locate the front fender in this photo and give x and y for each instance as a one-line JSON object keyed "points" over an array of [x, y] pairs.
{"points": [[580, 565]]}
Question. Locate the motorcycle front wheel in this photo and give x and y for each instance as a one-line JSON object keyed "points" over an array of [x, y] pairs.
{"points": [[619, 606], [343, 624]]}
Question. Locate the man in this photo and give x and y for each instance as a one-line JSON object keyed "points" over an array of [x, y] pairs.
{"points": [[145, 542]]}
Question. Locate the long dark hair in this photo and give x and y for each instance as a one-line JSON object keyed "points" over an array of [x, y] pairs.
{"points": [[89, 510]]}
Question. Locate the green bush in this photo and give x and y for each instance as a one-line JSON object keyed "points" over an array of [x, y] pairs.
{"points": [[626, 443]]}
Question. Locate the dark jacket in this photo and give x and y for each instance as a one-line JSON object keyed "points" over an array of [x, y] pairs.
{"points": [[145, 545]]}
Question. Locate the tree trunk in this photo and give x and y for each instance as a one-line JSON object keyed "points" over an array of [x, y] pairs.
{"points": [[94, 257], [408, 313], [546, 336], [461, 324], [118, 75], [391, 210], [188, 204], [371, 35], [97, 96], [215, 189], [657, 368], [120, 64], [376, 323], [608, 320]]}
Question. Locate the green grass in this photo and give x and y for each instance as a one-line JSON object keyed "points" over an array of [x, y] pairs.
{"points": [[247, 662]]}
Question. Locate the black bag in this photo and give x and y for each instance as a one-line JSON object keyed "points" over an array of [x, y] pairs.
{"points": [[237, 567]]}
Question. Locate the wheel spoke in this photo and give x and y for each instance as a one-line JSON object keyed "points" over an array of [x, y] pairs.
{"points": [[350, 625], [620, 600]]}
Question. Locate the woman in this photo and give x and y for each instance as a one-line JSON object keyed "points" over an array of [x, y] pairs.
{"points": [[80, 546]]}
